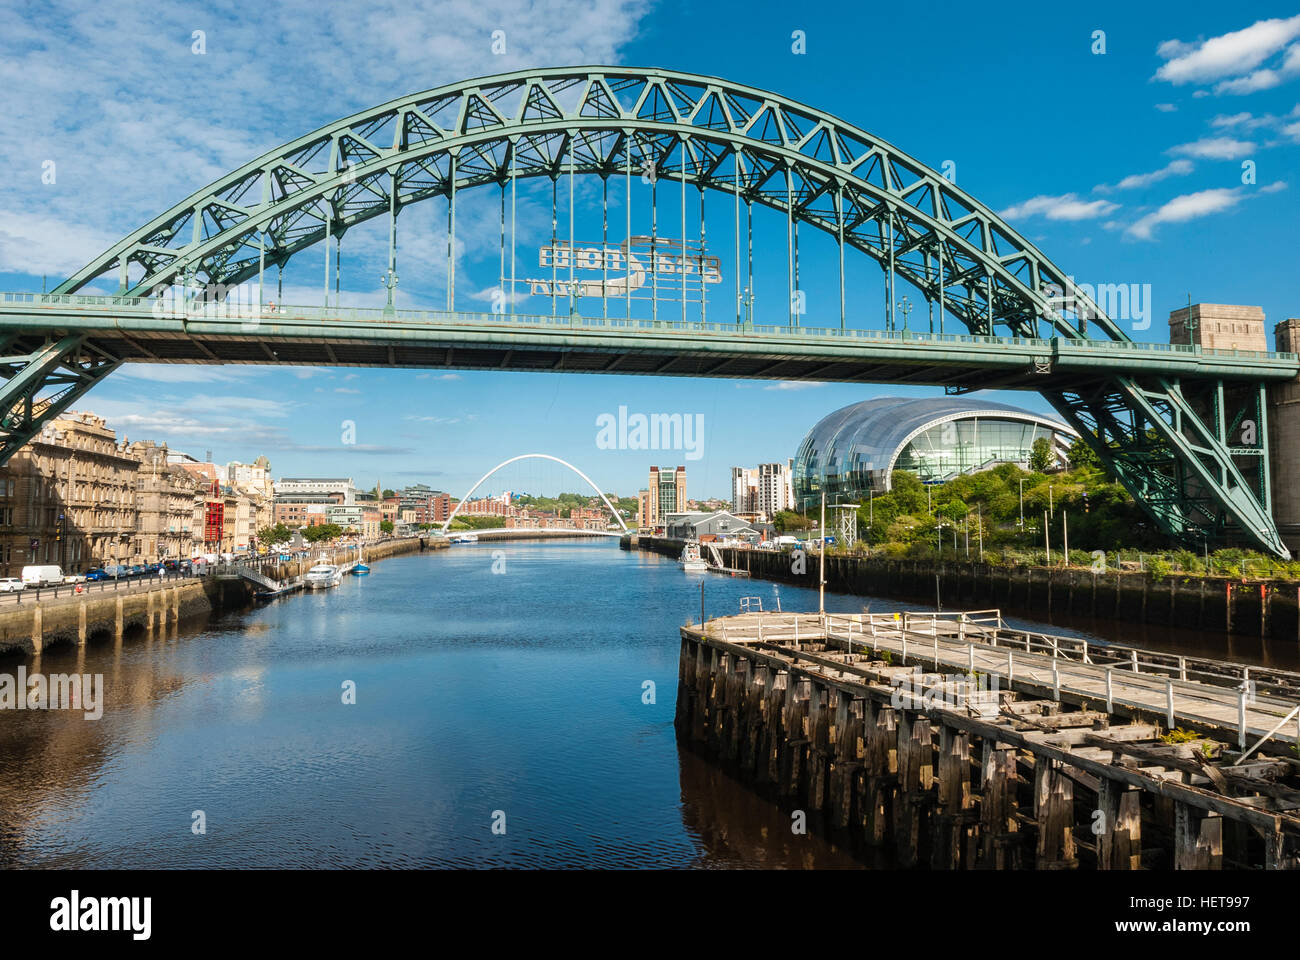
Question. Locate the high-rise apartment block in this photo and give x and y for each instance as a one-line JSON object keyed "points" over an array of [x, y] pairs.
{"points": [[666, 494]]}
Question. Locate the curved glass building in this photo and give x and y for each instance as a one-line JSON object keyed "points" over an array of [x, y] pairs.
{"points": [[857, 448]]}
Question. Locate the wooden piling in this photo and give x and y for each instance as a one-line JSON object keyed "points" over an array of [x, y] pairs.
{"points": [[881, 755]]}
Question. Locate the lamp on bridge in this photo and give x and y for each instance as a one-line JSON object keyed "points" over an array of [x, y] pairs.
{"points": [[389, 280], [906, 306]]}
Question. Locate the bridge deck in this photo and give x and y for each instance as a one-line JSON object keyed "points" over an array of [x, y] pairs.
{"points": [[136, 329]]}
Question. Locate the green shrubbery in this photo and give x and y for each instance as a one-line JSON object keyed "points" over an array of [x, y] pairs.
{"points": [[1107, 530]]}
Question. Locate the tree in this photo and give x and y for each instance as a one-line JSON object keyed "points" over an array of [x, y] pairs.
{"points": [[322, 532], [276, 534], [1041, 457], [787, 520], [385, 526], [1082, 455]]}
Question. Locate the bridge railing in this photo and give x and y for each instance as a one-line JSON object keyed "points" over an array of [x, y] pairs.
{"points": [[164, 308]]}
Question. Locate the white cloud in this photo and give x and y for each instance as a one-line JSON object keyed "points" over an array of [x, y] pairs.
{"points": [[794, 385], [1175, 168], [181, 373], [1264, 79], [1174, 48], [37, 244], [1251, 122], [1190, 206], [1229, 55], [1215, 148], [1251, 83], [1065, 207], [1244, 119], [82, 85], [1166, 107]]}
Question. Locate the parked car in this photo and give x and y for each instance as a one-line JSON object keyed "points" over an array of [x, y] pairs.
{"points": [[96, 575], [169, 566], [75, 578], [115, 571], [11, 585], [42, 576], [137, 570]]}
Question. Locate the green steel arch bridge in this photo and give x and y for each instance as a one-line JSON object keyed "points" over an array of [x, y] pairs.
{"points": [[1184, 429]]}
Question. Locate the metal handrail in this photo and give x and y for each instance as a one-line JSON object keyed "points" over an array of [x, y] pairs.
{"points": [[1134, 660]]}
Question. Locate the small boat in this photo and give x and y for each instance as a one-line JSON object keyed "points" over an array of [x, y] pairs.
{"points": [[361, 570], [465, 538], [322, 575], [691, 560]]}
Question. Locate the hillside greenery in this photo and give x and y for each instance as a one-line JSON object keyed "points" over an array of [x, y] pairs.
{"points": [[1107, 529]]}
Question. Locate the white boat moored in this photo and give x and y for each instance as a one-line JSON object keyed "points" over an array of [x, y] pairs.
{"points": [[691, 560], [322, 575]]}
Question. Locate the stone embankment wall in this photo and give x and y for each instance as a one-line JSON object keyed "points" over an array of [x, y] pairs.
{"points": [[29, 626], [1209, 604]]}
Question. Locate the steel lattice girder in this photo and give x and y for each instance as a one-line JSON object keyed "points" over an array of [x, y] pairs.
{"points": [[60, 370], [1173, 461], [679, 125], [761, 146]]}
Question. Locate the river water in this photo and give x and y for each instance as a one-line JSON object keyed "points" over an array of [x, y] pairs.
{"points": [[496, 685]]}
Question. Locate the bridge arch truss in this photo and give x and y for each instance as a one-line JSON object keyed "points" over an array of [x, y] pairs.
{"points": [[1169, 441], [534, 456]]}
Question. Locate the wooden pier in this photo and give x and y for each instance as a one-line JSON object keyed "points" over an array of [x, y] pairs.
{"points": [[963, 744]]}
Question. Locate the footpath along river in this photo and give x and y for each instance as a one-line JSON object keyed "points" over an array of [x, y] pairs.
{"points": [[493, 682]]}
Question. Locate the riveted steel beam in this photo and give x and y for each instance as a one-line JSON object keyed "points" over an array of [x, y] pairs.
{"points": [[42, 384]]}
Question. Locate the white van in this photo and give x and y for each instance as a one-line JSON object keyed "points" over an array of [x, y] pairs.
{"points": [[43, 576]]}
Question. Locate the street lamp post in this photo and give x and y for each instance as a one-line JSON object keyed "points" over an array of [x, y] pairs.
{"points": [[389, 280], [906, 306], [1022, 503]]}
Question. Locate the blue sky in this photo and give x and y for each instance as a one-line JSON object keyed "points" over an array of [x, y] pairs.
{"points": [[1123, 166]]}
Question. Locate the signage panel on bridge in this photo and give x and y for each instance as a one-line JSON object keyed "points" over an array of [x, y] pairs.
{"points": [[677, 269]]}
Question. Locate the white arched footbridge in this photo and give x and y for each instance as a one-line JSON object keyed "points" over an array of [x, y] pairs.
{"points": [[535, 456]]}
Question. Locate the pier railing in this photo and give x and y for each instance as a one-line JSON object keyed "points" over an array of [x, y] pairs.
{"points": [[1197, 690]]}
